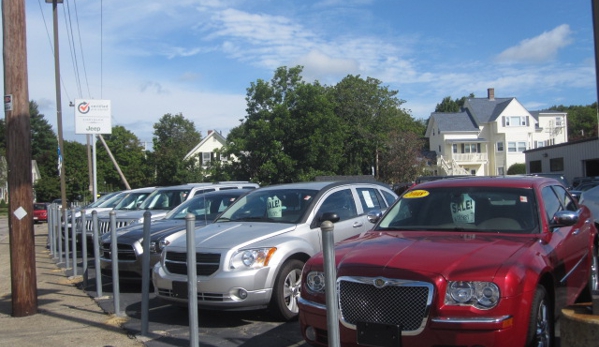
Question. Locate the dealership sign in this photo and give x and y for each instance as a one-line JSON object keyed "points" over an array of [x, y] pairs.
{"points": [[93, 117]]}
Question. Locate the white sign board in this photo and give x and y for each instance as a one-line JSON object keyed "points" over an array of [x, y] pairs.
{"points": [[93, 117]]}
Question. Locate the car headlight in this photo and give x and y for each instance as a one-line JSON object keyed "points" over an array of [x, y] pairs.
{"points": [[482, 295], [252, 258], [315, 281]]}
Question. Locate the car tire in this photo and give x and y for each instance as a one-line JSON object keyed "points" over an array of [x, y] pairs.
{"points": [[541, 323], [286, 290], [594, 276]]}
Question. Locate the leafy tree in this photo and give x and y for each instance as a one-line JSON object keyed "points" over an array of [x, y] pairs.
{"points": [[290, 132], [44, 150], [448, 105], [582, 121], [517, 169], [174, 137], [370, 112], [402, 160], [128, 152], [76, 171]]}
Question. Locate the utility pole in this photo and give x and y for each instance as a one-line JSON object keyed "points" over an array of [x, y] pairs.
{"points": [[595, 10], [18, 154], [63, 191]]}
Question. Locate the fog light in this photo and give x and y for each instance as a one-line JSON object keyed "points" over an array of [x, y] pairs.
{"points": [[310, 333], [242, 294]]}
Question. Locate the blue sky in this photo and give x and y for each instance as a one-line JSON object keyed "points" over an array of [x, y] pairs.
{"points": [[198, 57]]}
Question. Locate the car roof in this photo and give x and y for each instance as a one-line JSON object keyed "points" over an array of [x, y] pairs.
{"points": [[208, 184], [319, 185], [494, 181]]}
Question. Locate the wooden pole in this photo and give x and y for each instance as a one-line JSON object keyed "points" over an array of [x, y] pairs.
{"points": [[18, 154]]}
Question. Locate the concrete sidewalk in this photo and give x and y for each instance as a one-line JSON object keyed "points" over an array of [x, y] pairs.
{"points": [[66, 316]]}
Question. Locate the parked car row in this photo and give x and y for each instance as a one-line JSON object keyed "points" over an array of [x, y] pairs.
{"points": [[479, 260]]}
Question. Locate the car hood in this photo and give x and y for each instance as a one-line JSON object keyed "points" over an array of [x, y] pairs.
{"points": [[452, 255], [228, 235], [159, 229], [133, 214]]}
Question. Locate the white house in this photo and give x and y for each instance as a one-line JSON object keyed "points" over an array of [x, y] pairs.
{"points": [[204, 151], [489, 135]]}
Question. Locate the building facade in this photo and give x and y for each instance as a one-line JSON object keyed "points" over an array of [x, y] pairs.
{"points": [[489, 135]]}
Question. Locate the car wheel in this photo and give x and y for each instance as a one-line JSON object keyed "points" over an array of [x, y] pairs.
{"points": [[594, 277], [286, 290], [540, 326]]}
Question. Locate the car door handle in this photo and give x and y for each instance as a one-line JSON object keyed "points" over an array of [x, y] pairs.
{"points": [[576, 231], [358, 224]]}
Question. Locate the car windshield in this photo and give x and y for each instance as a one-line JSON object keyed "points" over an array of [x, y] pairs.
{"points": [[104, 199], [131, 201], [484, 209], [203, 207], [165, 199], [272, 205]]}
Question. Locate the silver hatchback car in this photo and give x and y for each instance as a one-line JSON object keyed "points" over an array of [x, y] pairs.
{"points": [[252, 256]]}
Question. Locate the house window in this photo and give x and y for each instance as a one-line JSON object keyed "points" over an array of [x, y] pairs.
{"points": [[535, 166], [206, 158], [500, 146], [514, 147], [470, 148], [521, 146], [500, 171], [516, 121], [556, 164], [454, 148], [539, 144], [559, 121]]}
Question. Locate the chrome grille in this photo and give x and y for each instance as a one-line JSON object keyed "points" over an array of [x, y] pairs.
{"points": [[383, 300], [206, 263], [125, 252]]}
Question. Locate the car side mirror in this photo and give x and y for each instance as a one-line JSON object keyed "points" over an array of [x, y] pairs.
{"points": [[565, 218], [330, 216], [374, 216]]}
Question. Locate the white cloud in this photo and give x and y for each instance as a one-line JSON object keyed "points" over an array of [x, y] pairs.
{"points": [[538, 49]]}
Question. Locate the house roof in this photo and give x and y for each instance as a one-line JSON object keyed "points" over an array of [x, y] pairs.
{"points": [[210, 135], [485, 110], [450, 121]]}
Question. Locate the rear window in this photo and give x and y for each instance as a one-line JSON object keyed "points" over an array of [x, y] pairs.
{"points": [[39, 206]]}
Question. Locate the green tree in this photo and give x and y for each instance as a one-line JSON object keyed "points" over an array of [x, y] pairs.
{"points": [[402, 161], [76, 171], [290, 132], [369, 112], [44, 150], [174, 137], [582, 121], [448, 105], [128, 152], [517, 169]]}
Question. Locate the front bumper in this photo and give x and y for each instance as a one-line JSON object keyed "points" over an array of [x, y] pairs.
{"points": [[239, 290], [487, 331]]}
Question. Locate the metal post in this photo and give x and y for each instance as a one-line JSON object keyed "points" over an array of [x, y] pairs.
{"points": [[59, 235], [330, 277], [65, 229], [84, 249], [96, 253], [114, 257], [145, 276], [51, 229], [74, 242], [192, 280]]}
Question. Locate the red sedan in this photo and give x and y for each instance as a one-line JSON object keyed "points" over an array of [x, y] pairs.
{"points": [[40, 212], [459, 262]]}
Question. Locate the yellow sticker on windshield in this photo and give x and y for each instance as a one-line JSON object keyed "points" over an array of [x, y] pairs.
{"points": [[419, 193]]}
